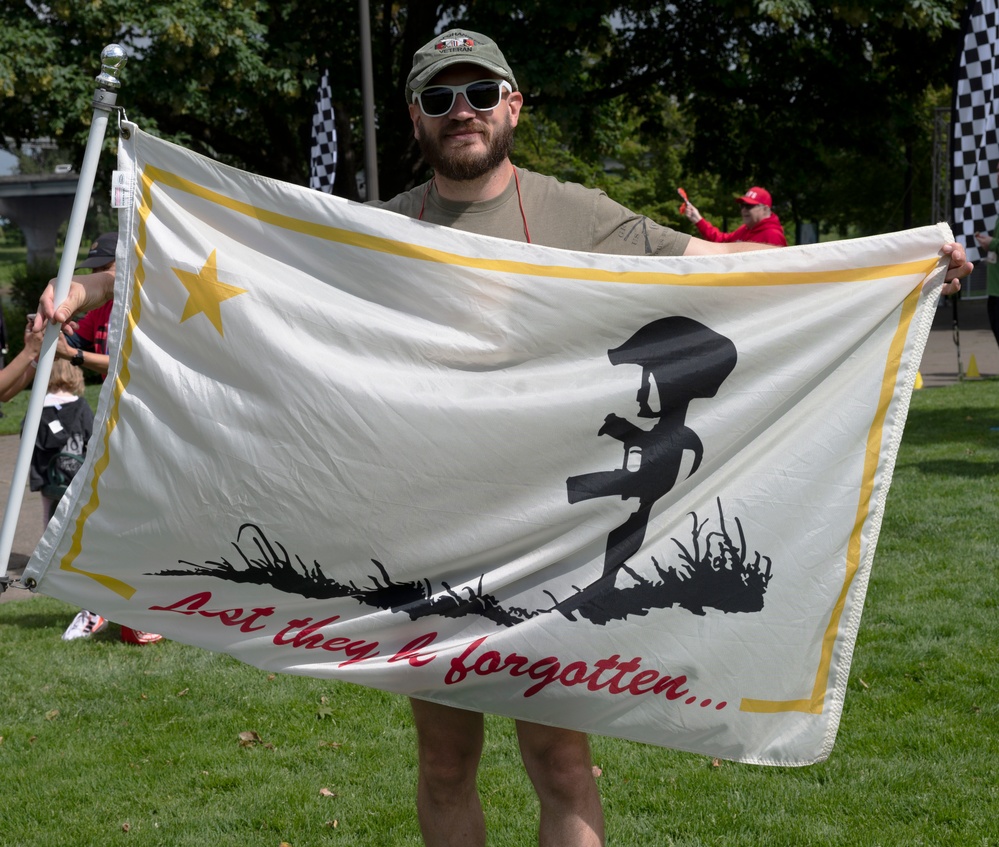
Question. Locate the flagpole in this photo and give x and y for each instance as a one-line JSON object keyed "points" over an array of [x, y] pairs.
{"points": [[105, 96], [368, 97]]}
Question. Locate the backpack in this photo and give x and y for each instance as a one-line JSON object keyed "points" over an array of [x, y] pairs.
{"points": [[59, 472], [60, 447]]}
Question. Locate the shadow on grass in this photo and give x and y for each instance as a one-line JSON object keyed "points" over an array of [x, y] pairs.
{"points": [[924, 427], [43, 620], [959, 468]]}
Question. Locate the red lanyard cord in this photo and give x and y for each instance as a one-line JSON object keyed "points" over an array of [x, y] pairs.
{"points": [[520, 202]]}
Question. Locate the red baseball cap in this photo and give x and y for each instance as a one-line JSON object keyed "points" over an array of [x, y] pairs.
{"points": [[756, 196]]}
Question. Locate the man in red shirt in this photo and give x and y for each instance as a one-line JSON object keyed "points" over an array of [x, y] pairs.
{"points": [[759, 222]]}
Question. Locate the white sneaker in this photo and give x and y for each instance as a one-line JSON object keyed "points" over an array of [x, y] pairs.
{"points": [[84, 625]]}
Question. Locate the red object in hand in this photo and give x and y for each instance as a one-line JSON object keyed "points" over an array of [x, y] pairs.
{"points": [[683, 194]]}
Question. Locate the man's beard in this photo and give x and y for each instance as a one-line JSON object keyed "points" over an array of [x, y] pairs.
{"points": [[461, 164]]}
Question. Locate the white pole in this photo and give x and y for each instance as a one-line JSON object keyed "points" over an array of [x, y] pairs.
{"points": [[112, 60]]}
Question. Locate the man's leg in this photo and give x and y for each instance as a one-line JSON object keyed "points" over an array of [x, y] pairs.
{"points": [[559, 765], [449, 744]]}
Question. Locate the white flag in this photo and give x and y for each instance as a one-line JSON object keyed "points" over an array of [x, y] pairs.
{"points": [[634, 496], [975, 157]]}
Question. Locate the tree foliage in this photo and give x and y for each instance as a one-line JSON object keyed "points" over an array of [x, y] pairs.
{"points": [[827, 104]]}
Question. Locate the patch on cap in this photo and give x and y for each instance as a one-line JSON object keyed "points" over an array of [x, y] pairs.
{"points": [[448, 44]]}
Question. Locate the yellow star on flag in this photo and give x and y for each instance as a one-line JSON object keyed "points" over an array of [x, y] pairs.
{"points": [[206, 293]]}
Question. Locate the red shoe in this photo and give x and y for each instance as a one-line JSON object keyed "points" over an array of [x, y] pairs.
{"points": [[137, 636]]}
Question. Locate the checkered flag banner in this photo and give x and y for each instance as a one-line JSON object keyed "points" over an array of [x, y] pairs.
{"points": [[975, 142], [323, 139]]}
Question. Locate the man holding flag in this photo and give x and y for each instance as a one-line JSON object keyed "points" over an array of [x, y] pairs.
{"points": [[465, 105]]}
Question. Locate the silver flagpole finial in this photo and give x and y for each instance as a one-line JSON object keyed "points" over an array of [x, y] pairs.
{"points": [[112, 61], [106, 93]]}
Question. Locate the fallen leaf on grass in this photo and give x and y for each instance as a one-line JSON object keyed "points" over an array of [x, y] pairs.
{"points": [[182, 693], [249, 738], [52, 715], [125, 827], [596, 771], [325, 792], [333, 823], [333, 745], [864, 683], [716, 763]]}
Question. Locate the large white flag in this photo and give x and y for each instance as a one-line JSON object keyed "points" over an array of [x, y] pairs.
{"points": [[632, 496]]}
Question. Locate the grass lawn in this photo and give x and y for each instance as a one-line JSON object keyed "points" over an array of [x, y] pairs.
{"points": [[105, 743], [10, 258]]}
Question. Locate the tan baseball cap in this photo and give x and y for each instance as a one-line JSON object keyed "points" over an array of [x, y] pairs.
{"points": [[455, 47]]}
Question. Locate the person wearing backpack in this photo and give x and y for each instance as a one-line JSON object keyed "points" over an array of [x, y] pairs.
{"points": [[66, 424], [86, 347], [64, 429]]}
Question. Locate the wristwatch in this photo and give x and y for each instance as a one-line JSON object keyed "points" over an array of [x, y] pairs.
{"points": [[77, 359]]}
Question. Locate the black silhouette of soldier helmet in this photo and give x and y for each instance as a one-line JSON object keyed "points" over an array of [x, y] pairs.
{"points": [[686, 358]]}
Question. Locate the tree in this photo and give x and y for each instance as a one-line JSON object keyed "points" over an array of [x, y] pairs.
{"points": [[235, 81], [823, 103], [826, 104]]}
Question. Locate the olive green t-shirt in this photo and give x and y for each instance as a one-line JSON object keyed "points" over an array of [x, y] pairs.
{"points": [[556, 214]]}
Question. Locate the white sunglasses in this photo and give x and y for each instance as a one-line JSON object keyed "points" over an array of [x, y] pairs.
{"points": [[483, 95]]}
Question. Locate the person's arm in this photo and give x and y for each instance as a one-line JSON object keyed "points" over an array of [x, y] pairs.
{"points": [[690, 212], [958, 268], [19, 374], [86, 292], [708, 231], [700, 247], [82, 357]]}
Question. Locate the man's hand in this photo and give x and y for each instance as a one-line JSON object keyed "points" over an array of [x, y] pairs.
{"points": [[691, 213], [86, 292], [63, 350], [958, 268]]}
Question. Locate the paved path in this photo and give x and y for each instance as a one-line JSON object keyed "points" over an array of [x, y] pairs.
{"points": [[938, 367], [29, 522]]}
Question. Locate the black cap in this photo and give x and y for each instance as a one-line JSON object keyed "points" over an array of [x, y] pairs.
{"points": [[102, 251]]}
